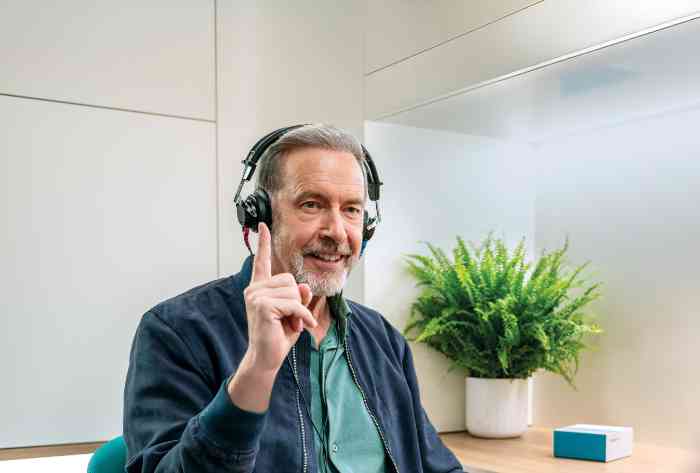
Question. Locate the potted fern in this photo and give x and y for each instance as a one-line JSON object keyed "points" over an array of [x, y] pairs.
{"points": [[500, 319]]}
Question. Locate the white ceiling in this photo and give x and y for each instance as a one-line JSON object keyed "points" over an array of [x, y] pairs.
{"points": [[649, 75]]}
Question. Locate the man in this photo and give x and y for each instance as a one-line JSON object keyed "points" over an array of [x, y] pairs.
{"points": [[272, 370]]}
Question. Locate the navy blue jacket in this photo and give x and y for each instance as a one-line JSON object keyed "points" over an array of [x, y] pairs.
{"points": [[178, 416]]}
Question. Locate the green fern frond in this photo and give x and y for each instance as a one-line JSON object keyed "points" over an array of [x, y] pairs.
{"points": [[495, 315]]}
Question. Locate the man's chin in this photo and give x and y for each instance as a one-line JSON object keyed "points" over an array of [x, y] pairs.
{"points": [[322, 284]]}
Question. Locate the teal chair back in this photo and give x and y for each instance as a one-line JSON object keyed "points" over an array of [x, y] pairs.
{"points": [[109, 458]]}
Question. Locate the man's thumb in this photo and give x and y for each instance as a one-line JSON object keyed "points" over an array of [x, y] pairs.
{"points": [[305, 293]]}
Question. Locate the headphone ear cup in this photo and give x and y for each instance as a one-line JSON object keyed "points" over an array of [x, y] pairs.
{"points": [[255, 209], [246, 213], [367, 230], [264, 207]]}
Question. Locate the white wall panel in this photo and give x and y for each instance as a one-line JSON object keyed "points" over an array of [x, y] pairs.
{"points": [[397, 29], [440, 185], [104, 213], [627, 194], [155, 56], [283, 63], [534, 35]]}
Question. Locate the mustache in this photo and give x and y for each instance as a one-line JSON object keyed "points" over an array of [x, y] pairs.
{"points": [[343, 250]]}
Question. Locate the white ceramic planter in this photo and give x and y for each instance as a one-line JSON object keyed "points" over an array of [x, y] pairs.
{"points": [[496, 408]]}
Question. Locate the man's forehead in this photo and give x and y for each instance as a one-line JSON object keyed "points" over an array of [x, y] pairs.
{"points": [[327, 192], [321, 171]]}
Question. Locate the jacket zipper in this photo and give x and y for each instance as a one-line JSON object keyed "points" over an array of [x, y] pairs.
{"points": [[301, 417], [371, 414]]}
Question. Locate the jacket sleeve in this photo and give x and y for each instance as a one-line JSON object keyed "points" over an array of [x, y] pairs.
{"points": [[436, 457], [175, 419]]}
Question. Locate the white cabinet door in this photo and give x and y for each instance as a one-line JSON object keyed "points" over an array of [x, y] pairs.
{"points": [[103, 214], [156, 56]]}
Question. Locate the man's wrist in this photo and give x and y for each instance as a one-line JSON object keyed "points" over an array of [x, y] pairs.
{"points": [[251, 386], [229, 426]]}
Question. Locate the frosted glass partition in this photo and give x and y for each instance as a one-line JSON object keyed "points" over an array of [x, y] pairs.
{"points": [[608, 145]]}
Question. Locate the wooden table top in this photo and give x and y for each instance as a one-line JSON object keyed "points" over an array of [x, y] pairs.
{"points": [[532, 453]]}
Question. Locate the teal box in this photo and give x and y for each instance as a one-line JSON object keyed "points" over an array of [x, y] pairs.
{"points": [[601, 443]]}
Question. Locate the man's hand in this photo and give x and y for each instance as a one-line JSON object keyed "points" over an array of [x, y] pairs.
{"points": [[277, 314]]}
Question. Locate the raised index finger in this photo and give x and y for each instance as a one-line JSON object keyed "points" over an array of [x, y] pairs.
{"points": [[262, 264]]}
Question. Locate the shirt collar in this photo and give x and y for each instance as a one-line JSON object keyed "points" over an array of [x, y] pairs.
{"points": [[341, 311]]}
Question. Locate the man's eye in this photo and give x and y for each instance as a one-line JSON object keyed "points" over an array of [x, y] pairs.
{"points": [[355, 210], [310, 205]]}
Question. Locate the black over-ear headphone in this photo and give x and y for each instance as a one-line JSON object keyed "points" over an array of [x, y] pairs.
{"points": [[256, 207]]}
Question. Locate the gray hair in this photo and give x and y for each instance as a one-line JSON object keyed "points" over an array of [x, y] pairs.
{"points": [[321, 136]]}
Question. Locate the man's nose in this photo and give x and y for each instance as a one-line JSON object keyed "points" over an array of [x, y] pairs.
{"points": [[333, 226]]}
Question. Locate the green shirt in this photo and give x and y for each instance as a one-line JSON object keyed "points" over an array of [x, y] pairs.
{"points": [[338, 411]]}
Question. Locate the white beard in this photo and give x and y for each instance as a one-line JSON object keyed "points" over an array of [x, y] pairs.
{"points": [[321, 284], [327, 283]]}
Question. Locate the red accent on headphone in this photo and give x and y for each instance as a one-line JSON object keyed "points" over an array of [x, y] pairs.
{"points": [[246, 233]]}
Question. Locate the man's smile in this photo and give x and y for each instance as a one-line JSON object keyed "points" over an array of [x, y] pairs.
{"points": [[327, 261]]}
